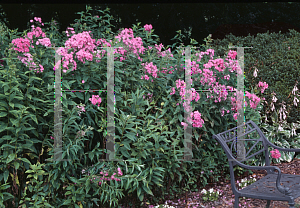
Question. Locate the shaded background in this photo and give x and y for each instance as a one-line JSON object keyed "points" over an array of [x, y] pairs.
{"points": [[196, 21]]}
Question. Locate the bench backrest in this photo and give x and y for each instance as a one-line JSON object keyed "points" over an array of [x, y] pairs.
{"points": [[252, 138]]}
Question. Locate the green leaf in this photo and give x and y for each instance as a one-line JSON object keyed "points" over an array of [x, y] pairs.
{"points": [[211, 130], [3, 114], [91, 155], [139, 190], [128, 181], [10, 158], [79, 95], [11, 104], [212, 123], [32, 78], [34, 118], [141, 197], [26, 160], [3, 103], [87, 185], [147, 190], [65, 85], [177, 109], [5, 175], [67, 202], [126, 145], [18, 129], [29, 96], [17, 165], [3, 127]]}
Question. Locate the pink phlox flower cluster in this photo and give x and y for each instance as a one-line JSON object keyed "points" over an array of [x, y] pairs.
{"points": [[134, 44], [38, 19], [150, 97], [84, 54], [195, 68], [83, 44], [95, 99], [151, 69], [254, 100], [207, 52], [22, 44], [223, 112], [81, 41], [67, 58], [112, 176], [219, 64], [166, 70], [37, 32], [227, 77], [275, 154], [104, 43], [221, 91], [209, 76], [81, 109], [237, 103], [233, 66], [263, 86], [164, 53], [45, 42], [197, 121], [173, 91], [180, 84], [192, 96], [195, 95], [148, 27], [231, 55], [27, 59], [69, 29], [159, 53]]}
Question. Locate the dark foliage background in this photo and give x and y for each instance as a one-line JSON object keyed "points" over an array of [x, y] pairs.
{"points": [[218, 19]]}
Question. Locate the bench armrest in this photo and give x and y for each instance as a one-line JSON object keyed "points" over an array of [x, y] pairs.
{"points": [[280, 148], [281, 189]]}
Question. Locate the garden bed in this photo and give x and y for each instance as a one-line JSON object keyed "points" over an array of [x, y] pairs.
{"points": [[226, 199]]}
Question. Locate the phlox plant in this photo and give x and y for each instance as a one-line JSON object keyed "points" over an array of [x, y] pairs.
{"points": [[253, 105], [150, 139]]}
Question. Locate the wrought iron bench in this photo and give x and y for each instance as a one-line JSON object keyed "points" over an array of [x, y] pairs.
{"points": [[274, 186]]}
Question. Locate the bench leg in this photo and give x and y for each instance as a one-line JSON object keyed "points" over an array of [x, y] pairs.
{"points": [[268, 203], [236, 201], [292, 205]]}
